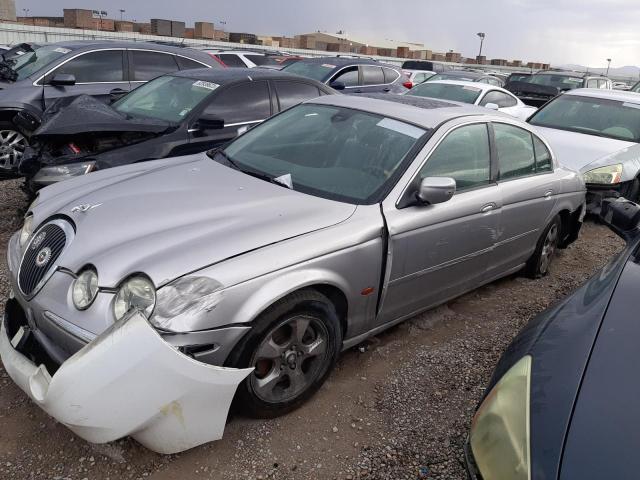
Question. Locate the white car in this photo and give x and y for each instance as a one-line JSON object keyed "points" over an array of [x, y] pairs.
{"points": [[621, 86], [475, 93], [596, 132], [243, 59], [418, 76]]}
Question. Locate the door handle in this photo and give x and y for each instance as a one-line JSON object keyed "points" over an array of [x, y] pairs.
{"points": [[548, 193], [117, 91], [488, 207], [387, 90], [357, 91]]}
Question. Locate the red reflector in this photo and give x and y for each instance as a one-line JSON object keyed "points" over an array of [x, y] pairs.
{"points": [[408, 84], [367, 291], [74, 148]]}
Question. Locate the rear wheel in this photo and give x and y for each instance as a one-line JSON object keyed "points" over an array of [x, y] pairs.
{"points": [[292, 348], [538, 264], [12, 146]]}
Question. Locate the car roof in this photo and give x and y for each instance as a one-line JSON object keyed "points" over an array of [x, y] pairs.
{"points": [[427, 113], [567, 73], [230, 75], [342, 61], [465, 73], [620, 95], [480, 86], [93, 44]]}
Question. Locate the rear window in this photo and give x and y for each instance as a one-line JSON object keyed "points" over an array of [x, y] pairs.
{"points": [[317, 71], [263, 60], [562, 82], [445, 91]]}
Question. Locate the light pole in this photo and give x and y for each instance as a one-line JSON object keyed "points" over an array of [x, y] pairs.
{"points": [[481, 35], [122, 10], [26, 12], [608, 65]]}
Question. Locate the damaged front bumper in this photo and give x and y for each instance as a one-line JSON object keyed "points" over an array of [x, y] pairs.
{"points": [[128, 381]]}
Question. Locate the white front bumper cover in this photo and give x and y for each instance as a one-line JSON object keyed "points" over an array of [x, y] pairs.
{"points": [[129, 381]]}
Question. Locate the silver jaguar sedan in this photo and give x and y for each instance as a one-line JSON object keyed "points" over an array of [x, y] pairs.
{"points": [[147, 297]]}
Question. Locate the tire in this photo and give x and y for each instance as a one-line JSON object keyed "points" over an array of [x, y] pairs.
{"points": [[12, 145], [285, 347], [538, 265]]}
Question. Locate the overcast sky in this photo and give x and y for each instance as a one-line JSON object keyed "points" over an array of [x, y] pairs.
{"points": [[557, 31]]}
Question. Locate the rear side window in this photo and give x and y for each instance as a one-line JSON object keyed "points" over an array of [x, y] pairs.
{"points": [[292, 93], [390, 75], [372, 75], [149, 65], [543, 156], [515, 151], [101, 66], [501, 99], [246, 102], [188, 64], [464, 156], [231, 60], [592, 83], [349, 77]]}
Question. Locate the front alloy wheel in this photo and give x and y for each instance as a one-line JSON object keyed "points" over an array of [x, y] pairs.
{"points": [[12, 146]]}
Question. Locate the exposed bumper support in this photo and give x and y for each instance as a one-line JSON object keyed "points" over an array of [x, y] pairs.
{"points": [[129, 381]]}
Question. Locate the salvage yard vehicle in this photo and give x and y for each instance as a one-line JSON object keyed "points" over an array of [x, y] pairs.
{"points": [[480, 94], [596, 132], [544, 85], [562, 402], [467, 76], [254, 265], [177, 114], [30, 83], [352, 74]]}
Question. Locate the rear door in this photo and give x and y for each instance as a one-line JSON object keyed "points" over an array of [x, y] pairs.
{"points": [[528, 188], [506, 103], [145, 65], [349, 77], [437, 252], [293, 92], [241, 106], [99, 73], [373, 79]]}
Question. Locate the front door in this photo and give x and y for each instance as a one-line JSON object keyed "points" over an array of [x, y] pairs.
{"points": [[439, 251]]}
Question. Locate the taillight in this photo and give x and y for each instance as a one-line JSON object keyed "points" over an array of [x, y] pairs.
{"points": [[408, 84], [217, 59]]}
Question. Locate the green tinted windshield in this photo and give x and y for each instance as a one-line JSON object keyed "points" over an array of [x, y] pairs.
{"points": [[31, 62], [165, 98], [593, 116], [446, 76], [444, 91], [332, 152], [563, 82], [317, 71]]}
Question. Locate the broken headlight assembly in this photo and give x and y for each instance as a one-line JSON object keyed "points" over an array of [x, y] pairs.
{"points": [[59, 172], [500, 436], [84, 289], [27, 230], [608, 175], [183, 299], [137, 292]]}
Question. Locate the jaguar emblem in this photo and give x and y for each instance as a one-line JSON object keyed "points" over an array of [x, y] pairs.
{"points": [[43, 257], [38, 240], [85, 207]]}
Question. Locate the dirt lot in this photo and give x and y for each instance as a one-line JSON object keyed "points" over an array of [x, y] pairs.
{"points": [[398, 407]]}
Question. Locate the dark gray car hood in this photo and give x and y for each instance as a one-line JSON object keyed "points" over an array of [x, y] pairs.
{"points": [[170, 217]]}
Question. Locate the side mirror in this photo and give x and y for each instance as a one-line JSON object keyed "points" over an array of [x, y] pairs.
{"points": [[62, 80], [621, 215], [434, 190], [337, 85], [492, 106], [208, 121]]}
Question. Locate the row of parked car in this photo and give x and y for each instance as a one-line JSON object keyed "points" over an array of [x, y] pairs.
{"points": [[280, 223]]}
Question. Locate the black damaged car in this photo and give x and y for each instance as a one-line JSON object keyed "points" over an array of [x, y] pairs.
{"points": [[176, 114], [563, 400]]}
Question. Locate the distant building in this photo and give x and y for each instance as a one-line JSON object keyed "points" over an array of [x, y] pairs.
{"points": [[499, 62], [516, 63], [481, 60], [167, 28], [143, 28], [403, 52], [241, 37], [285, 42], [422, 54], [123, 26], [42, 21], [204, 30], [439, 57], [327, 42], [8, 10], [221, 36], [367, 50], [189, 33], [87, 19]]}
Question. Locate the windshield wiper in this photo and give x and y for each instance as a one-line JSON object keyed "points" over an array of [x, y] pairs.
{"points": [[254, 173]]}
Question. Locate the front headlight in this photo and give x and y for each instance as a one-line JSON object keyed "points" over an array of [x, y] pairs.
{"points": [[136, 292], [604, 175], [26, 231], [84, 289], [500, 429], [61, 172]]}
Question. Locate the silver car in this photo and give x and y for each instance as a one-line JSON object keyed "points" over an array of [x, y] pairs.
{"points": [[179, 283]]}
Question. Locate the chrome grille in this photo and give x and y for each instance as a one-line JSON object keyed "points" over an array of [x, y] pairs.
{"points": [[41, 254]]}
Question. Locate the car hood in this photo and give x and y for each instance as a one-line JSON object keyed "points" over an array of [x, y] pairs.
{"points": [[603, 436], [577, 150], [174, 216]]}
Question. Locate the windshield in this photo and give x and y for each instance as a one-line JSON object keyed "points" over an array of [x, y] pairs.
{"points": [[593, 116], [165, 98], [264, 60], [636, 87], [445, 91], [331, 152], [448, 76], [514, 77], [31, 62], [317, 71], [562, 82]]}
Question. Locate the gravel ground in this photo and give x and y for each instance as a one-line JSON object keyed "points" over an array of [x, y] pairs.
{"points": [[398, 407]]}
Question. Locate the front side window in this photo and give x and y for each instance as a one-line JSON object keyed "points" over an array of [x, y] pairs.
{"points": [[372, 75], [247, 102], [348, 76], [101, 66], [166, 98], [149, 65], [592, 83], [331, 152], [446, 91], [592, 116], [463, 155], [514, 146], [503, 100]]}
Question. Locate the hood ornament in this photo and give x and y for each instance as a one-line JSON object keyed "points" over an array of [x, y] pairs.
{"points": [[84, 207]]}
